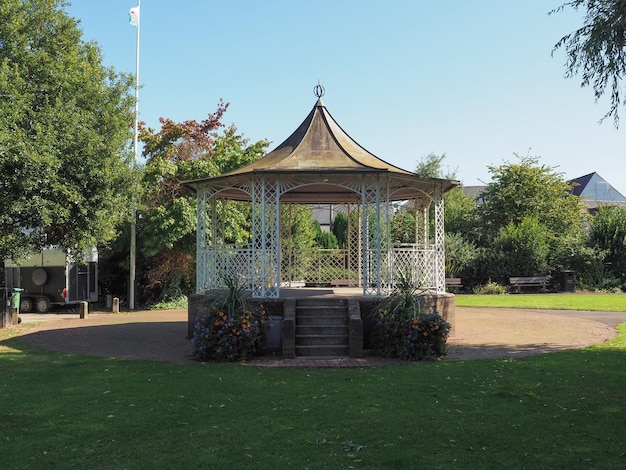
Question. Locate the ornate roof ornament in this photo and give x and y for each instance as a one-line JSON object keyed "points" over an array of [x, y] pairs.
{"points": [[319, 90]]}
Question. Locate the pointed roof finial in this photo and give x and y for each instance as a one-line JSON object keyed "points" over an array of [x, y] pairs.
{"points": [[319, 90]]}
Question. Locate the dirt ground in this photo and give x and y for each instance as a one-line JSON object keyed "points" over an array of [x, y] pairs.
{"points": [[479, 333]]}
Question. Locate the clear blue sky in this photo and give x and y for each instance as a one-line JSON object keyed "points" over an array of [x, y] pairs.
{"points": [[472, 79]]}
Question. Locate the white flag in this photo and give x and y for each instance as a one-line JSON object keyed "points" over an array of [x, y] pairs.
{"points": [[134, 16]]}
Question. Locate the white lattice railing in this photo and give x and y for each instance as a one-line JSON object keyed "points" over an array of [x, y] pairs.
{"points": [[316, 267], [229, 261], [415, 262]]}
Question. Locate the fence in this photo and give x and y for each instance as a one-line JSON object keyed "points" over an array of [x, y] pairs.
{"points": [[320, 267]]}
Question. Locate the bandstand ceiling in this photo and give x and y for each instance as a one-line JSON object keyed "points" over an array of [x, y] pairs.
{"points": [[321, 162]]}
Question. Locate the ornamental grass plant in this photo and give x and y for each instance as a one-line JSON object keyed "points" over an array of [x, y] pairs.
{"points": [[403, 330], [231, 330]]}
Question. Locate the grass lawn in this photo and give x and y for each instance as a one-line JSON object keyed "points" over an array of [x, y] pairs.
{"points": [[561, 410], [596, 302]]}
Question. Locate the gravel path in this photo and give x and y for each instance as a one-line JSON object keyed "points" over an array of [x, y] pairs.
{"points": [[480, 333]]}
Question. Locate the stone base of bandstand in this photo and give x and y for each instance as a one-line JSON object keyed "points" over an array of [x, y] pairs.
{"points": [[284, 306]]}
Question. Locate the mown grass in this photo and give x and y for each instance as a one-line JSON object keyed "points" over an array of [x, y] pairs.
{"points": [[595, 302], [561, 410]]}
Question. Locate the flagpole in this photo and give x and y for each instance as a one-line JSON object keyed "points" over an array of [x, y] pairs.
{"points": [[133, 225]]}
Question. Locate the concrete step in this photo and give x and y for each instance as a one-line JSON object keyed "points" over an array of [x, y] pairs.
{"points": [[325, 302], [317, 309], [321, 351], [318, 330], [321, 327], [321, 340], [322, 320]]}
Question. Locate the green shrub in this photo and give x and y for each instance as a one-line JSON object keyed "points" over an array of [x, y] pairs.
{"points": [[491, 288], [411, 337], [178, 303], [401, 329], [218, 336], [230, 330]]}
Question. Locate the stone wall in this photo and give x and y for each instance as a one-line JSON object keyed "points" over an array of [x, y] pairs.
{"points": [[443, 304]]}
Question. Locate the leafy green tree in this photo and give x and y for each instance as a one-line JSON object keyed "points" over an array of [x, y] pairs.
{"points": [[403, 226], [340, 229], [326, 240], [167, 218], [459, 212], [431, 166], [525, 246], [298, 228], [528, 189], [64, 129], [525, 206], [597, 49], [608, 233], [460, 254]]}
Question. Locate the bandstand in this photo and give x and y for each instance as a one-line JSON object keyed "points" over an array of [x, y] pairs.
{"points": [[319, 163]]}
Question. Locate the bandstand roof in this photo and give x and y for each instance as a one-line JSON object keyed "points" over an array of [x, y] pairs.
{"points": [[319, 159]]}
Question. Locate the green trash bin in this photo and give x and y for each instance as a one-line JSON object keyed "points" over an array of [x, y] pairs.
{"points": [[16, 298]]}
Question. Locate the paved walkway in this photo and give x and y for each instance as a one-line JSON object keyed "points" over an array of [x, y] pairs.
{"points": [[480, 333]]}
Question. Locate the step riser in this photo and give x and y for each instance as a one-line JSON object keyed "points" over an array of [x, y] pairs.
{"points": [[319, 351], [329, 311], [322, 321], [302, 330], [321, 327], [321, 341], [321, 303]]}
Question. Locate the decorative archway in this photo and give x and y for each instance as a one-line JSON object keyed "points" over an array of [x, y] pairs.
{"points": [[320, 163]]}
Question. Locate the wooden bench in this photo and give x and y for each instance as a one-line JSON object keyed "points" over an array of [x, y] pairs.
{"points": [[344, 283], [454, 283], [534, 281]]}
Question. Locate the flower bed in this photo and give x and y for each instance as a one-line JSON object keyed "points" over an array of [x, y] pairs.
{"points": [[218, 336]]}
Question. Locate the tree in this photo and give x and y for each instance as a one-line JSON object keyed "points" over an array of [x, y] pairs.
{"points": [[460, 254], [608, 233], [431, 167], [598, 49], [340, 229], [459, 212], [528, 189], [525, 246], [403, 226], [527, 207], [66, 177], [167, 224]]}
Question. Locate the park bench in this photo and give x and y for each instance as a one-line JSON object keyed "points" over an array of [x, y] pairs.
{"points": [[534, 281], [454, 284]]}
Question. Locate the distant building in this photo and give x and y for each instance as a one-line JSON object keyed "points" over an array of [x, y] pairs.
{"points": [[596, 192], [475, 192]]}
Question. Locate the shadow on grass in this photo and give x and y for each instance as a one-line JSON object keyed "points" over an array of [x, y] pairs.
{"points": [[503, 351]]}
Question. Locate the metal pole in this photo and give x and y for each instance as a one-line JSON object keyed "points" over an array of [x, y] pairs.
{"points": [[133, 225]]}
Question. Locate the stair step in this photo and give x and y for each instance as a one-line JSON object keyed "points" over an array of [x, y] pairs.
{"points": [[317, 330], [328, 310], [321, 340], [324, 350], [322, 320], [329, 302], [322, 327]]}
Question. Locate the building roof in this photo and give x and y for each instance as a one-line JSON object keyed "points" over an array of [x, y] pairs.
{"points": [[320, 149], [595, 191], [319, 144]]}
